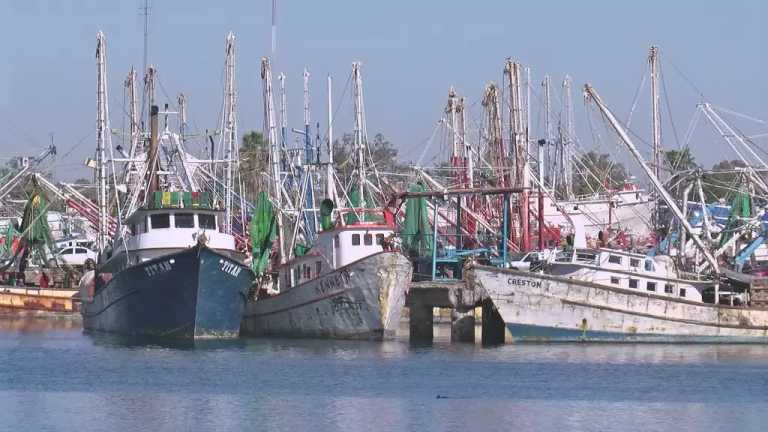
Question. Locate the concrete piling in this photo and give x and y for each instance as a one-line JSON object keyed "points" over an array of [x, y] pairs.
{"points": [[421, 321], [462, 326], [493, 327]]}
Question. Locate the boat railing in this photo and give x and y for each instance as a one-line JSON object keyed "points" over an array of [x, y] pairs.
{"points": [[442, 256]]}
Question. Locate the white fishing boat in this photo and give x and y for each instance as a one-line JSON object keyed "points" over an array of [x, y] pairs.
{"points": [[628, 210], [608, 295], [351, 284]]}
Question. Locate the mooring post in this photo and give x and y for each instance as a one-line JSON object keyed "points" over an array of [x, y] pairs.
{"points": [[493, 325], [462, 326], [421, 323]]}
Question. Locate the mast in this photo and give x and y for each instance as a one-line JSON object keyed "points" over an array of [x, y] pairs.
{"points": [[135, 131], [592, 94], [519, 142], [467, 147], [283, 112], [101, 138], [570, 134], [451, 110], [153, 160], [307, 137], [330, 191], [359, 133], [548, 126], [309, 194], [274, 151], [149, 85], [182, 101], [653, 61], [230, 130]]}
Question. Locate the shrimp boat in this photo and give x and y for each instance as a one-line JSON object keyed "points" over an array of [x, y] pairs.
{"points": [[177, 276], [350, 281], [351, 284], [609, 295], [168, 266]]}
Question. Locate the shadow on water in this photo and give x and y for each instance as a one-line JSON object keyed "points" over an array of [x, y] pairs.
{"points": [[122, 341]]}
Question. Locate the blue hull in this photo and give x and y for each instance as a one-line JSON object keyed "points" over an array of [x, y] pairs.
{"points": [[191, 294], [533, 333]]}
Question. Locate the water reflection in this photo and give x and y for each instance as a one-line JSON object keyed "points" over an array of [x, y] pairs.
{"points": [[13, 323]]}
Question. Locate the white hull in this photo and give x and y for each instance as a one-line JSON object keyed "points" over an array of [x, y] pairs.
{"points": [[538, 307], [362, 300]]}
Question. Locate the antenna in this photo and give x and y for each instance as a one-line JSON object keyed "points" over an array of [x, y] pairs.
{"points": [[274, 26], [145, 12]]}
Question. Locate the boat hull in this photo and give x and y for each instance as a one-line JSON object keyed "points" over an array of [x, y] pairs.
{"points": [[196, 293], [544, 308], [363, 300]]}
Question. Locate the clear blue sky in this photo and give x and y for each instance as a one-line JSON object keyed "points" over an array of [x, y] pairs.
{"points": [[412, 52]]}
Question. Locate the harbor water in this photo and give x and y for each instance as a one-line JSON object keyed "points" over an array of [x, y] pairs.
{"points": [[54, 377]]}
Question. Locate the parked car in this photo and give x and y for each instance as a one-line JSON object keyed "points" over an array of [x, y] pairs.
{"points": [[75, 255], [531, 261]]}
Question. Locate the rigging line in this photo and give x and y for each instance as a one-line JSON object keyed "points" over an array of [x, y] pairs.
{"points": [[692, 127], [636, 99], [685, 78], [76, 145], [339, 102], [738, 114], [669, 106]]}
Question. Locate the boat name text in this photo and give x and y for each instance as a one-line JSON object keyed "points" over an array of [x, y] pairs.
{"points": [[158, 268], [332, 282], [524, 282]]}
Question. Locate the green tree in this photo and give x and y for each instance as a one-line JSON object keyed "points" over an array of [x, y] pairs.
{"points": [[679, 160], [722, 180], [383, 153], [597, 172], [254, 161]]}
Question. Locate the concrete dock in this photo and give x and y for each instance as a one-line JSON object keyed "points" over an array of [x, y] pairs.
{"points": [[423, 297]]}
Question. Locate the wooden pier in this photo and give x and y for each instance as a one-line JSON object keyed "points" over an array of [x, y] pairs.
{"points": [[456, 295]]}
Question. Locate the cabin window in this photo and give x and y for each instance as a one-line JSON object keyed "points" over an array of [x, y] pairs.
{"points": [[318, 268], [648, 265], [368, 239], [633, 283], [355, 239], [585, 257], [681, 291], [634, 262], [336, 241], [668, 288], [184, 220], [141, 227], [296, 274], [160, 220], [651, 286], [80, 251], [307, 272], [287, 280], [614, 280], [380, 239], [206, 221], [614, 259]]}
